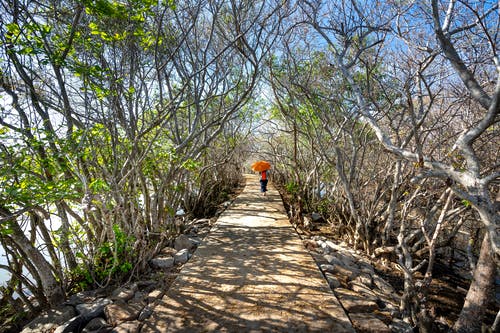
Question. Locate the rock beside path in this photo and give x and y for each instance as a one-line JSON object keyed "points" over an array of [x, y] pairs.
{"points": [[183, 242], [370, 302], [98, 324], [182, 256], [50, 320], [125, 308], [368, 323]]}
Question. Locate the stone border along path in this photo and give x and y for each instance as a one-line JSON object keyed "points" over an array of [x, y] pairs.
{"points": [[251, 273]]}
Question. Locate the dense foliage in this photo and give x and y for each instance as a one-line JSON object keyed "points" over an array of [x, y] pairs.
{"points": [[115, 116]]}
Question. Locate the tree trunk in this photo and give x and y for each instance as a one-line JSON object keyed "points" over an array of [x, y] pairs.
{"points": [[359, 235], [51, 288], [480, 292], [391, 208], [65, 232]]}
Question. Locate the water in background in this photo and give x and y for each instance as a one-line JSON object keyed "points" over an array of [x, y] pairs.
{"points": [[4, 275]]}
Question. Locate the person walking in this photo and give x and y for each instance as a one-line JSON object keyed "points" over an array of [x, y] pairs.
{"points": [[263, 182], [262, 167]]}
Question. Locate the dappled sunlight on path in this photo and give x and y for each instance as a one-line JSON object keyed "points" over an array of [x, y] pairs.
{"points": [[250, 274]]}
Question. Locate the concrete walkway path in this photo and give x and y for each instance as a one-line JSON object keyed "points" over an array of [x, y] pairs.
{"points": [[250, 274]]}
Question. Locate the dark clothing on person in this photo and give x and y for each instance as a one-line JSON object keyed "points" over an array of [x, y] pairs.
{"points": [[263, 185], [263, 181]]}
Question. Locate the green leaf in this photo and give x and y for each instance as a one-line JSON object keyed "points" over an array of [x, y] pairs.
{"points": [[7, 231], [98, 186], [191, 165], [13, 29]]}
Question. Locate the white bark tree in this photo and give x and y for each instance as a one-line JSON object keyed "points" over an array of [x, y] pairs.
{"points": [[349, 30]]}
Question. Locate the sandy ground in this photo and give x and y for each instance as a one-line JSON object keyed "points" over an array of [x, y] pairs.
{"points": [[250, 274]]}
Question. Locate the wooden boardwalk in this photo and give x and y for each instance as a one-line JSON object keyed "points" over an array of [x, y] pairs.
{"points": [[250, 274]]}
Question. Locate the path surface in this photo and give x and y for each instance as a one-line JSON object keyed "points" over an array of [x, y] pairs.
{"points": [[250, 274]]}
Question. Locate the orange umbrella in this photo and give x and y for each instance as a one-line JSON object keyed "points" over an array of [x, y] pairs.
{"points": [[261, 166]]}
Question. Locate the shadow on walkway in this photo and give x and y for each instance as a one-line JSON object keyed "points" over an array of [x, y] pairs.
{"points": [[250, 274]]}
